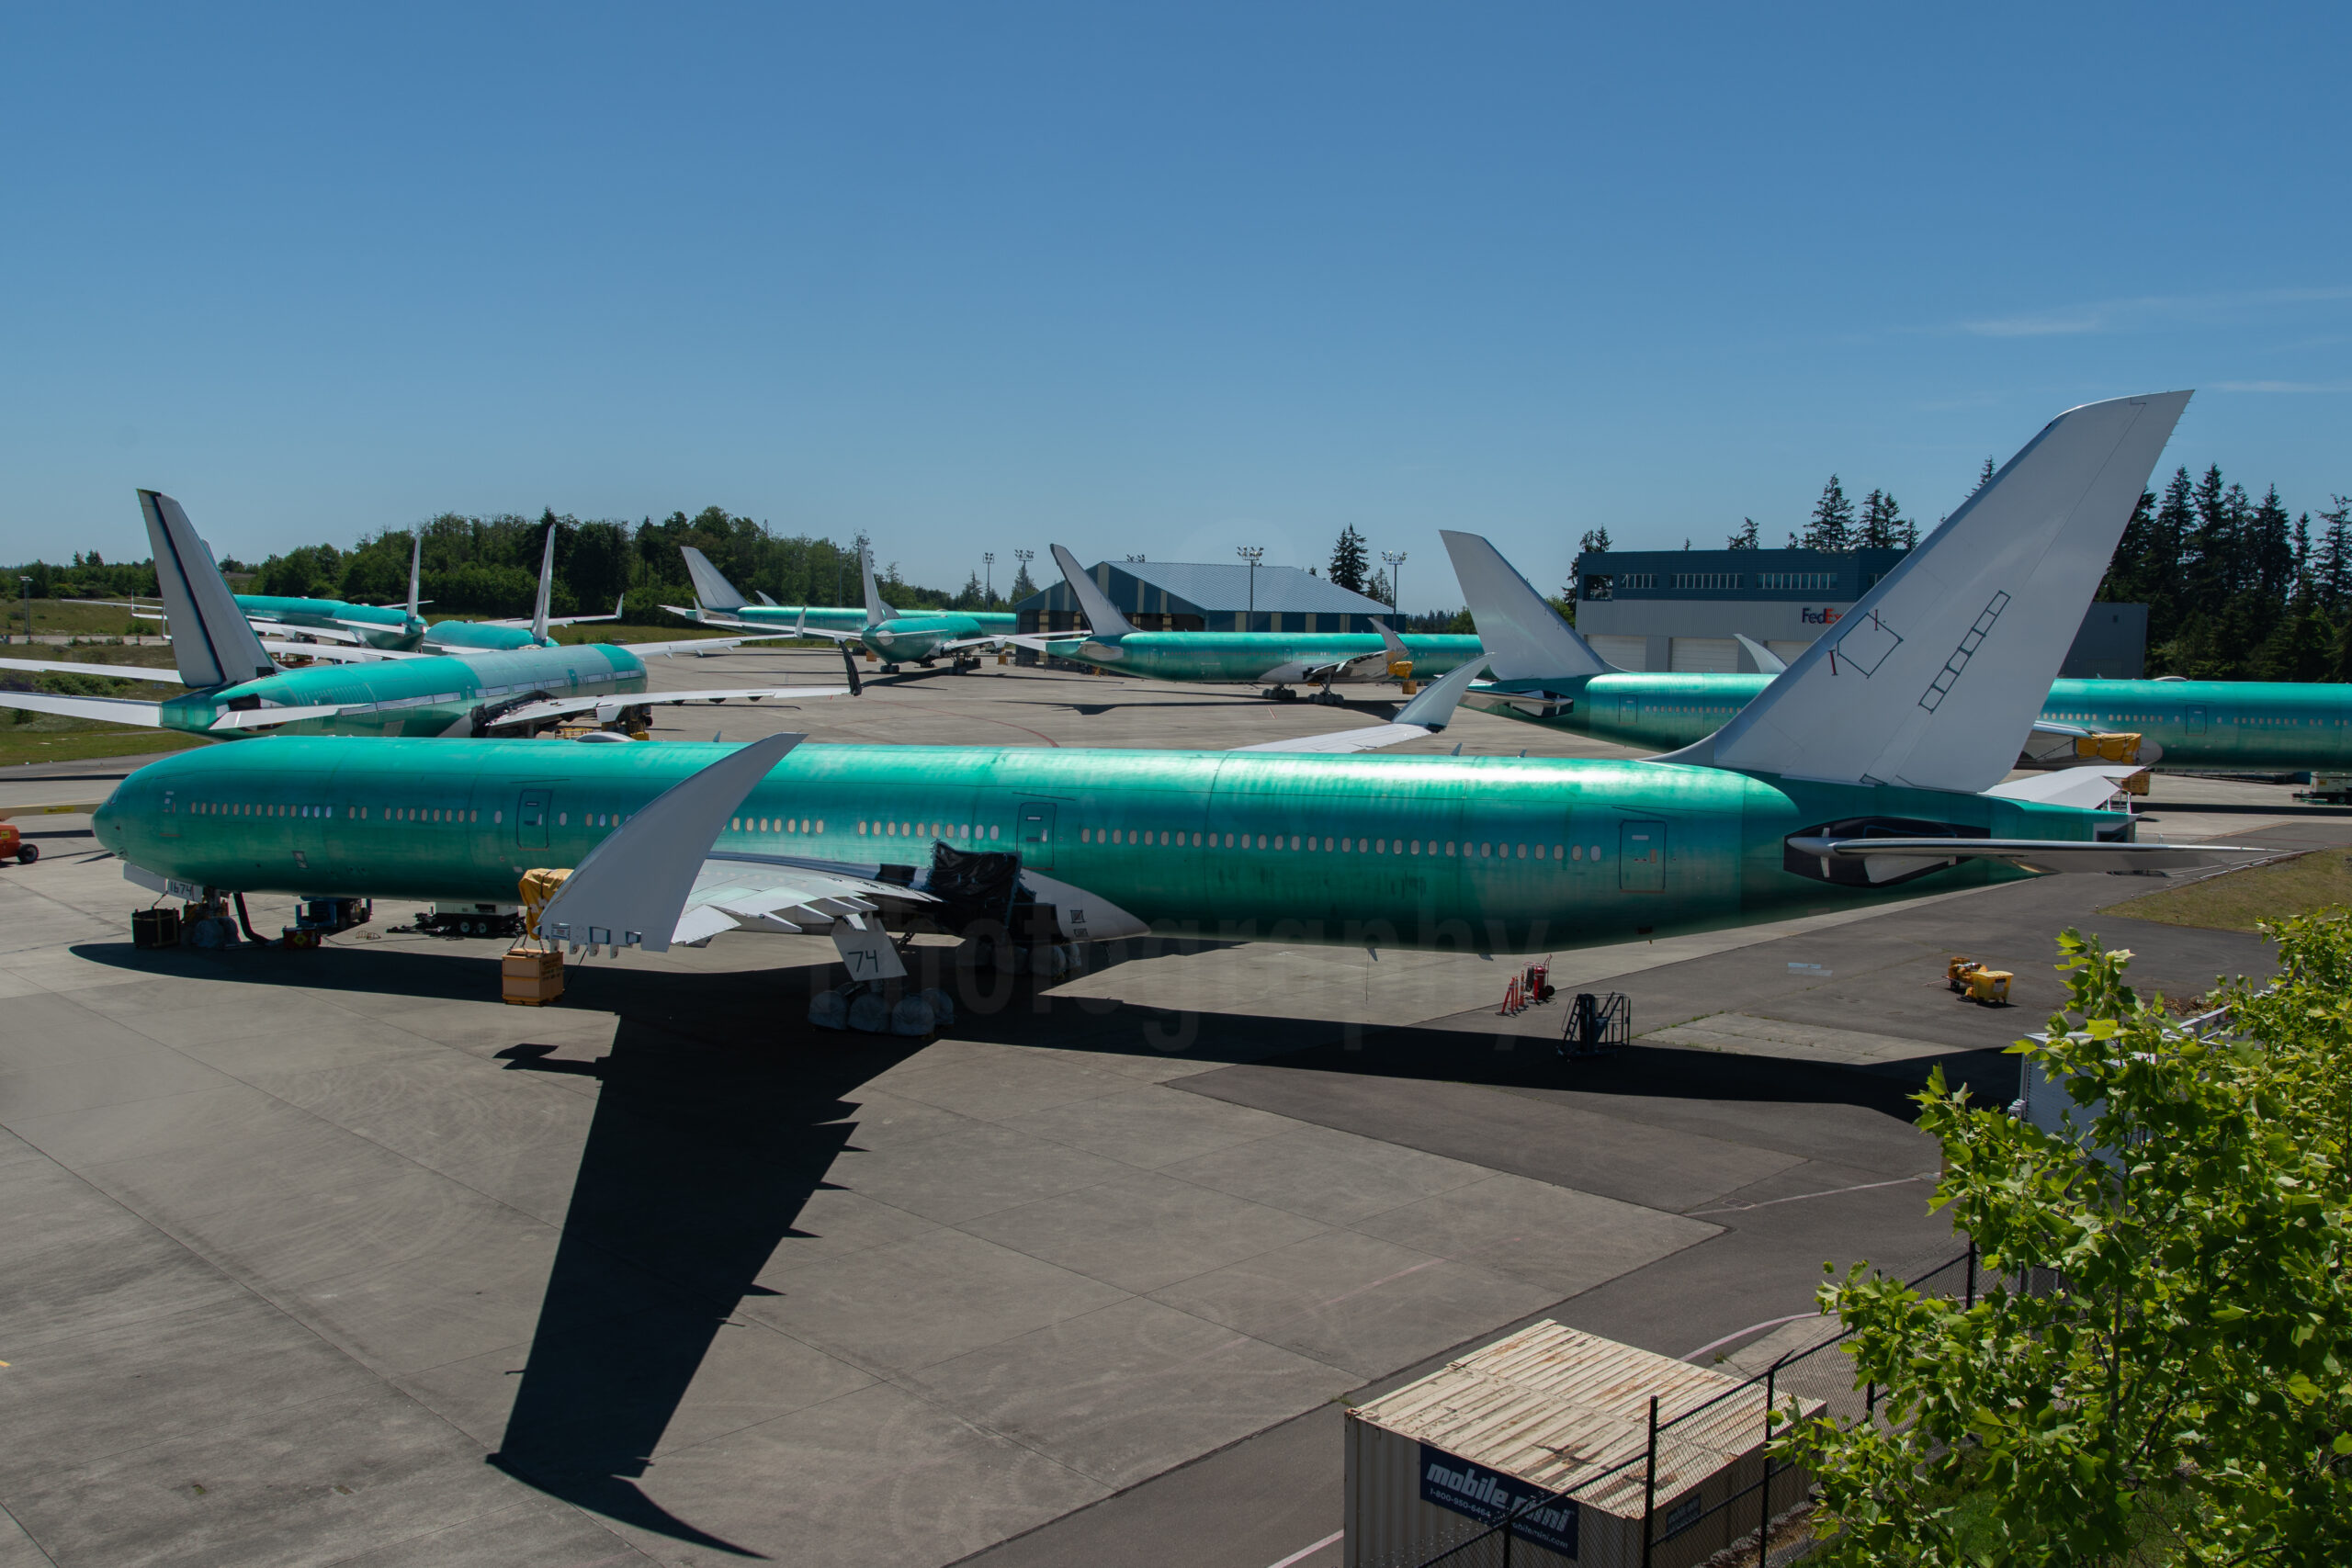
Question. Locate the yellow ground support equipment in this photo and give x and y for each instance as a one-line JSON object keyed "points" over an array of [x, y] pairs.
{"points": [[1986, 987], [2120, 746]]}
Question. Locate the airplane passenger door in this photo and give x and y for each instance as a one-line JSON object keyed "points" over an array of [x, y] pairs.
{"points": [[1035, 834], [531, 818], [2195, 718], [1641, 857]]}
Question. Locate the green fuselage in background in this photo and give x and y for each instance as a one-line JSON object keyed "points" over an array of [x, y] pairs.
{"points": [[924, 637], [416, 696], [373, 623], [843, 618], [2229, 726], [1271, 658], [1483, 855], [452, 637]]}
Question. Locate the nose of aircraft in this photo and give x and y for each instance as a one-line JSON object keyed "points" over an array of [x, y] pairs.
{"points": [[107, 822]]}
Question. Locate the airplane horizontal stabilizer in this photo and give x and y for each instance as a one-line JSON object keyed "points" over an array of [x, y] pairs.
{"points": [[1885, 860], [270, 717]]}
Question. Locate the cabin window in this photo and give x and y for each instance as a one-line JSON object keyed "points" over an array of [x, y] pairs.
{"points": [[734, 824], [1085, 835], [1380, 846], [1577, 852], [1522, 851], [1416, 846], [1294, 840], [821, 825], [861, 829], [1485, 850], [1539, 852], [1555, 851], [1596, 851], [563, 818], [1347, 846], [994, 831]]}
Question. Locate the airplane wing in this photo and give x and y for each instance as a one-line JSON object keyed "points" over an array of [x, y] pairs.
{"points": [[113, 671], [698, 645], [774, 892], [2085, 788], [612, 704], [333, 652], [110, 710], [1424, 716], [567, 620], [1885, 860]]}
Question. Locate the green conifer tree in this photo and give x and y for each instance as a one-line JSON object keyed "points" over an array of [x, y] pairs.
{"points": [[1883, 524], [1832, 525], [1745, 539], [1348, 560]]}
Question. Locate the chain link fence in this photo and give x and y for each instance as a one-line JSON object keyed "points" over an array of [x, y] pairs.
{"points": [[1729, 1520]]}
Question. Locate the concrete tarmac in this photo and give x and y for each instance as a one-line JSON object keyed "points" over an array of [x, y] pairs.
{"points": [[332, 1259]]}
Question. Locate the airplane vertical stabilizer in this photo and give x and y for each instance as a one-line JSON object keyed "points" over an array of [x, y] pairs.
{"points": [[877, 611], [1100, 614], [212, 642], [1527, 638], [1935, 678], [712, 590], [547, 582]]}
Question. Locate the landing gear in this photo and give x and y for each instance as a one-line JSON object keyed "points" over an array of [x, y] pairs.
{"points": [[889, 670], [1282, 695], [865, 1007]]}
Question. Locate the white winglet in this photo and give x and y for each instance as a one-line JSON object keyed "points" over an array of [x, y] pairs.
{"points": [[1767, 661], [1529, 639], [415, 575], [876, 610], [1935, 678], [630, 890], [1102, 615], [211, 640]]}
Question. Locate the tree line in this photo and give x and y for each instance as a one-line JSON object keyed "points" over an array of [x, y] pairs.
{"points": [[488, 565]]}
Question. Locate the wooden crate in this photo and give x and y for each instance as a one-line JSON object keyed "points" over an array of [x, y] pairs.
{"points": [[528, 977]]}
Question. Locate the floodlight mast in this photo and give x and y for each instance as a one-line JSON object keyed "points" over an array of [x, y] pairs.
{"points": [[1253, 554], [1396, 560]]}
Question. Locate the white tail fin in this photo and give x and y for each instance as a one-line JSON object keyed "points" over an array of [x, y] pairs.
{"points": [[1100, 614], [1935, 678], [1767, 661], [712, 590], [547, 582], [212, 642], [415, 574], [1526, 637], [877, 612]]}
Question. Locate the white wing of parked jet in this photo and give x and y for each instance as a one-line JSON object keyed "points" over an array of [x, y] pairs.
{"points": [[109, 710], [1935, 678], [618, 604], [1424, 716], [112, 671], [612, 704], [2086, 788], [1529, 639], [336, 653], [270, 717]]}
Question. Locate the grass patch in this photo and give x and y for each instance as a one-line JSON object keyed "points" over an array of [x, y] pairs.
{"points": [[2235, 900], [52, 738], [55, 617]]}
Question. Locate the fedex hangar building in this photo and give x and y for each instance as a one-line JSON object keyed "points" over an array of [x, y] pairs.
{"points": [[1679, 610]]}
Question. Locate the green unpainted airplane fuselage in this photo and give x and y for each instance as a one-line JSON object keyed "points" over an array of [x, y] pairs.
{"points": [[1481, 854], [372, 624], [2251, 725], [1260, 658], [414, 696], [921, 638]]}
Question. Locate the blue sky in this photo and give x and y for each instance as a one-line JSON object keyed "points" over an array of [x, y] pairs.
{"points": [[1155, 279]]}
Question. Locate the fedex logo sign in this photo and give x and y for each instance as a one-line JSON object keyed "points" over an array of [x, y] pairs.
{"points": [[1821, 617]]}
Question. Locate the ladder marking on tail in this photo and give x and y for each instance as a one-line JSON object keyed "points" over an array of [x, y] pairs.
{"points": [[1969, 644]]}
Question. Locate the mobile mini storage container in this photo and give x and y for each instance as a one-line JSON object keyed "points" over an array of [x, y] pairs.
{"points": [[1551, 1411]]}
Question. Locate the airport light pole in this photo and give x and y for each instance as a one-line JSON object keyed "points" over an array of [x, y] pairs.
{"points": [[988, 566], [24, 588], [1395, 578], [1251, 553]]}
